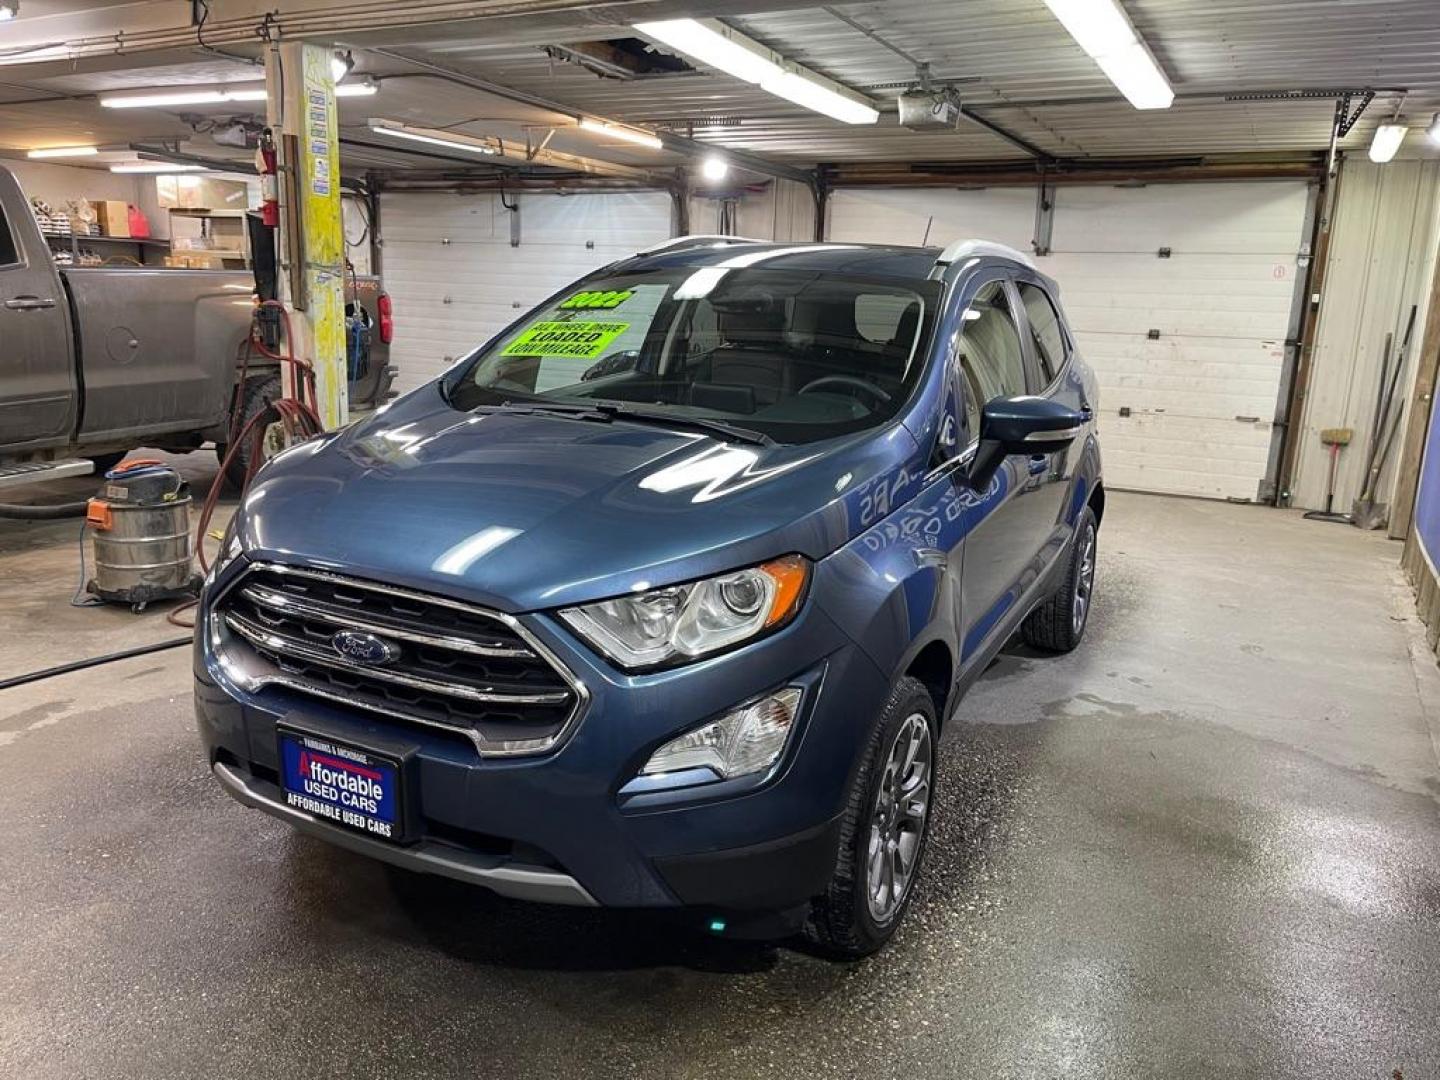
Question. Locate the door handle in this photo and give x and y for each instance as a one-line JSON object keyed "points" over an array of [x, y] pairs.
{"points": [[29, 303], [931, 557], [1039, 463]]}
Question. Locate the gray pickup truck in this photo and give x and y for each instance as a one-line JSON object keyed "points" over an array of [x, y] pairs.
{"points": [[96, 362]]}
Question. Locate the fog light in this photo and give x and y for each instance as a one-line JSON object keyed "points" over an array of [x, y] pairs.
{"points": [[747, 740]]}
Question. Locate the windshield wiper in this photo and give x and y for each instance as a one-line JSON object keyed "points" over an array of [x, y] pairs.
{"points": [[604, 412], [721, 428]]}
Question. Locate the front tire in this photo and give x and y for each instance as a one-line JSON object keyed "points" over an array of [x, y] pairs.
{"points": [[883, 831], [1059, 623]]}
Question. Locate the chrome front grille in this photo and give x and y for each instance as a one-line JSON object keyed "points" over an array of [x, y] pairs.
{"points": [[454, 666]]}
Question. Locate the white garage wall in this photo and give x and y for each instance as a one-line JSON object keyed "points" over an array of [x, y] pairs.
{"points": [[455, 279], [935, 216], [1202, 396], [1382, 253]]}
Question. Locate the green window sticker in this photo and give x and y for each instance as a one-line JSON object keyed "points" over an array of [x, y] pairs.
{"points": [[606, 300], [575, 340]]}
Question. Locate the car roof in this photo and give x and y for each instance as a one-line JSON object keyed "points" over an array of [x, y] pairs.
{"points": [[871, 260]]}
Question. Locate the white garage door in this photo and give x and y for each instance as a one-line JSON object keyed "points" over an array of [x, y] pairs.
{"points": [[456, 280], [1189, 349]]}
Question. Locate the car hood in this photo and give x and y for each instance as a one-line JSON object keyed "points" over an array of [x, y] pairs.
{"points": [[528, 511]]}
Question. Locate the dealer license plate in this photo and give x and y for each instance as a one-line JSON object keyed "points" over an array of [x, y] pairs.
{"points": [[353, 788]]}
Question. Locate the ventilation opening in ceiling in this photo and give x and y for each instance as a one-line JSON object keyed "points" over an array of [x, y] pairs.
{"points": [[620, 58]]}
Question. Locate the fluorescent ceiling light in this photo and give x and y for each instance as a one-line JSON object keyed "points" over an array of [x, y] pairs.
{"points": [[625, 134], [812, 95], [157, 167], [9, 9], [362, 88], [1135, 74], [716, 45], [183, 95], [154, 167], [1105, 32], [1388, 138], [63, 151], [424, 135], [228, 93]]}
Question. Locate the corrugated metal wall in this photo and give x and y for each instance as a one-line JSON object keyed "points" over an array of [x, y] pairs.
{"points": [[1382, 254]]}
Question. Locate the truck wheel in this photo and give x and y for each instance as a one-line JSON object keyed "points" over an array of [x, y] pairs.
{"points": [[1058, 624], [259, 394], [883, 830]]}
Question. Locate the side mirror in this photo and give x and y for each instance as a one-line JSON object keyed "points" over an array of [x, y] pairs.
{"points": [[1021, 425]]}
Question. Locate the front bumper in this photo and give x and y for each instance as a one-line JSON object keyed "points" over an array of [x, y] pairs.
{"points": [[557, 827], [508, 879]]}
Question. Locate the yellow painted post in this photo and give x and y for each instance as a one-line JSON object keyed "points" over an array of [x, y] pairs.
{"points": [[317, 300]]}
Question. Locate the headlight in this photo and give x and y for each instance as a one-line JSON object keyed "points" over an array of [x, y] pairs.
{"points": [[684, 622], [229, 548], [747, 740]]}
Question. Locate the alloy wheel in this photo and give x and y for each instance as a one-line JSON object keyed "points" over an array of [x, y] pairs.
{"points": [[897, 820], [1084, 579]]}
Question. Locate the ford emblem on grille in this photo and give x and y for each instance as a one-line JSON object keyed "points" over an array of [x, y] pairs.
{"points": [[363, 648]]}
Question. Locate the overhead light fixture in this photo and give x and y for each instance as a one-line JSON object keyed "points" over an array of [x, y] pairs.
{"points": [[714, 168], [155, 167], [9, 9], [63, 151], [1386, 142], [340, 65], [366, 87], [1105, 32], [161, 97], [624, 134], [432, 137], [1433, 131], [224, 94], [718, 46]]}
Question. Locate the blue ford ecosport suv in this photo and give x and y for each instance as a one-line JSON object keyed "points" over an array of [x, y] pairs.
{"points": [[662, 596]]}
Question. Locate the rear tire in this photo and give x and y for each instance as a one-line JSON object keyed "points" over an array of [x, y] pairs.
{"points": [[1059, 623], [885, 827], [259, 396]]}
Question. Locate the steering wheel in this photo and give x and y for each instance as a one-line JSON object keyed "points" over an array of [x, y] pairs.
{"points": [[846, 380]]}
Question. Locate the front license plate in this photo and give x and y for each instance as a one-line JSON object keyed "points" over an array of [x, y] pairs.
{"points": [[356, 789]]}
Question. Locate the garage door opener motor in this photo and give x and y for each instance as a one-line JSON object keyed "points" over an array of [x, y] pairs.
{"points": [[139, 524]]}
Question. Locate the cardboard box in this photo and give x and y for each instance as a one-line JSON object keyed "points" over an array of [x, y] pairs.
{"points": [[195, 262], [113, 217]]}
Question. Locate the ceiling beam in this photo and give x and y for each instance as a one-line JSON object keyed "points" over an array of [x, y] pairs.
{"points": [[678, 144]]}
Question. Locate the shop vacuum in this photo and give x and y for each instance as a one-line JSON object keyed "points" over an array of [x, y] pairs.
{"points": [[139, 524]]}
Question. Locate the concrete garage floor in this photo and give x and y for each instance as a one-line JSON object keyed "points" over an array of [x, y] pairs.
{"points": [[1207, 844]]}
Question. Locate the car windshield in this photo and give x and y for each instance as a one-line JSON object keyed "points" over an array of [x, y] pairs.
{"points": [[782, 355]]}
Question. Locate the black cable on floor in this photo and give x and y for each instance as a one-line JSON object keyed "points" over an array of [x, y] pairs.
{"points": [[94, 661]]}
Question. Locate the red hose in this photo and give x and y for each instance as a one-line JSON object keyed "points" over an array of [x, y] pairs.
{"points": [[300, 419]]}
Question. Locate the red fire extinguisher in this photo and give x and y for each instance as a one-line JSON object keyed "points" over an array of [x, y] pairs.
{"points": [[268, 164]]}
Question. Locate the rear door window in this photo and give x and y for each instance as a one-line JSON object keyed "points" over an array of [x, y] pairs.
{"points": [[1045, 331], [9, 255]]}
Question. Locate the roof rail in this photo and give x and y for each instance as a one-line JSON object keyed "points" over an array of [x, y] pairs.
{"points": [[696, 240], [962, 249]]}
